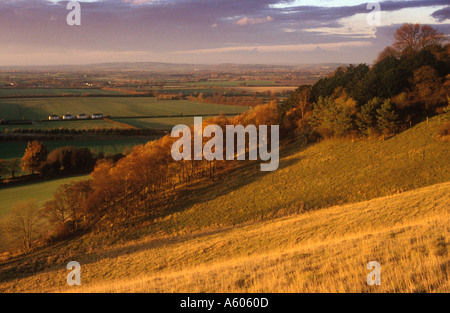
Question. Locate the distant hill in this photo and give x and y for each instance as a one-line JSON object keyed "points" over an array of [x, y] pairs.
{"points": [[167, 67]]}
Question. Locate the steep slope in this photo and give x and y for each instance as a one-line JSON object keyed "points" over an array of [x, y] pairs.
{"points": [[322, 251], [215, 234], [329, 173]]}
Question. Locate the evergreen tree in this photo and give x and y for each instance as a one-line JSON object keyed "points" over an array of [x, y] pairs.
{"points": [[366, 119], [387, 117]]}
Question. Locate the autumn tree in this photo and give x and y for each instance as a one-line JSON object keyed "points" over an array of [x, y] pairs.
{"points": [[14, 166], [428, 87], [65, 211], [22, 223], [35, 155], [410, 38], [69, 159], [388, 52], [334, 117], [4, 168]]}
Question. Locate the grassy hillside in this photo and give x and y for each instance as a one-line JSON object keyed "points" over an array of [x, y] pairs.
{"points": [[312, 225], [321, 251], [41, 108], [329, 173]]}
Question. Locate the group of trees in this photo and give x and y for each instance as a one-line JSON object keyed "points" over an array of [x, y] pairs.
{"points": [[61, 161], [67, 160], [409, 80], [143, 182], [10, 167]]}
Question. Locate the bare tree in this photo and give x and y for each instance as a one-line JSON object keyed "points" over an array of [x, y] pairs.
{"points": [[3, 168], [14, 166], [415, 37], [22, 222]]}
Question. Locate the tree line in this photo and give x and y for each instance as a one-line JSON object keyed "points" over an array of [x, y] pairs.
{"points": [[408, 81], [61, 161]]}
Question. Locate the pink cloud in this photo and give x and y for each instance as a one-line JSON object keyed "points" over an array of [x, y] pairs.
{"points": [[251, 21]]}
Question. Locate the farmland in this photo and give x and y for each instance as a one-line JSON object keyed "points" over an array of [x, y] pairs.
{"points": [[157, 123], [41, 108], [233, 83], [78, 124], [27, 92]]}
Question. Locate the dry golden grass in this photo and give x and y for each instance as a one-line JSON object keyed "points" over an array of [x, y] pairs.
{"points": [[322, 251]]}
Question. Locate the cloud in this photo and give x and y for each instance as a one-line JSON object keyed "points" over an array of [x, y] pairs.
{"points": [[442, 15], [169, 28], [252, 21]]}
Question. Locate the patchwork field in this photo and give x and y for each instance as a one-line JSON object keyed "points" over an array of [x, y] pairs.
{"points": [[14, 92], [157, 123], [233, 83], [41, 108], [79, 124], [281, 89]]}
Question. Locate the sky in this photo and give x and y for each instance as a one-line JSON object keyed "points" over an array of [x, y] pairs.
{"points": [[36, 32]]}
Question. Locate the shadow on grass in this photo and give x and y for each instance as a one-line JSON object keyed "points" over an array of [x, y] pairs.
{"points": [[232, 180]]}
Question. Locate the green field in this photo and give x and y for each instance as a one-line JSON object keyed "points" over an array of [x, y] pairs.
{"points": [[41, 108], [232, 83], [78, 124], [42, 192], [10, 150], [157, 123], [14, 92]]}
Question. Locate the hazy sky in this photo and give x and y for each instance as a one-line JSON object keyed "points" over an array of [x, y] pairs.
{"points": [[35, 32]]}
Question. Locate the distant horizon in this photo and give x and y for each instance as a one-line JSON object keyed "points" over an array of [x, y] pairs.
{"points": [[178, 63]]}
